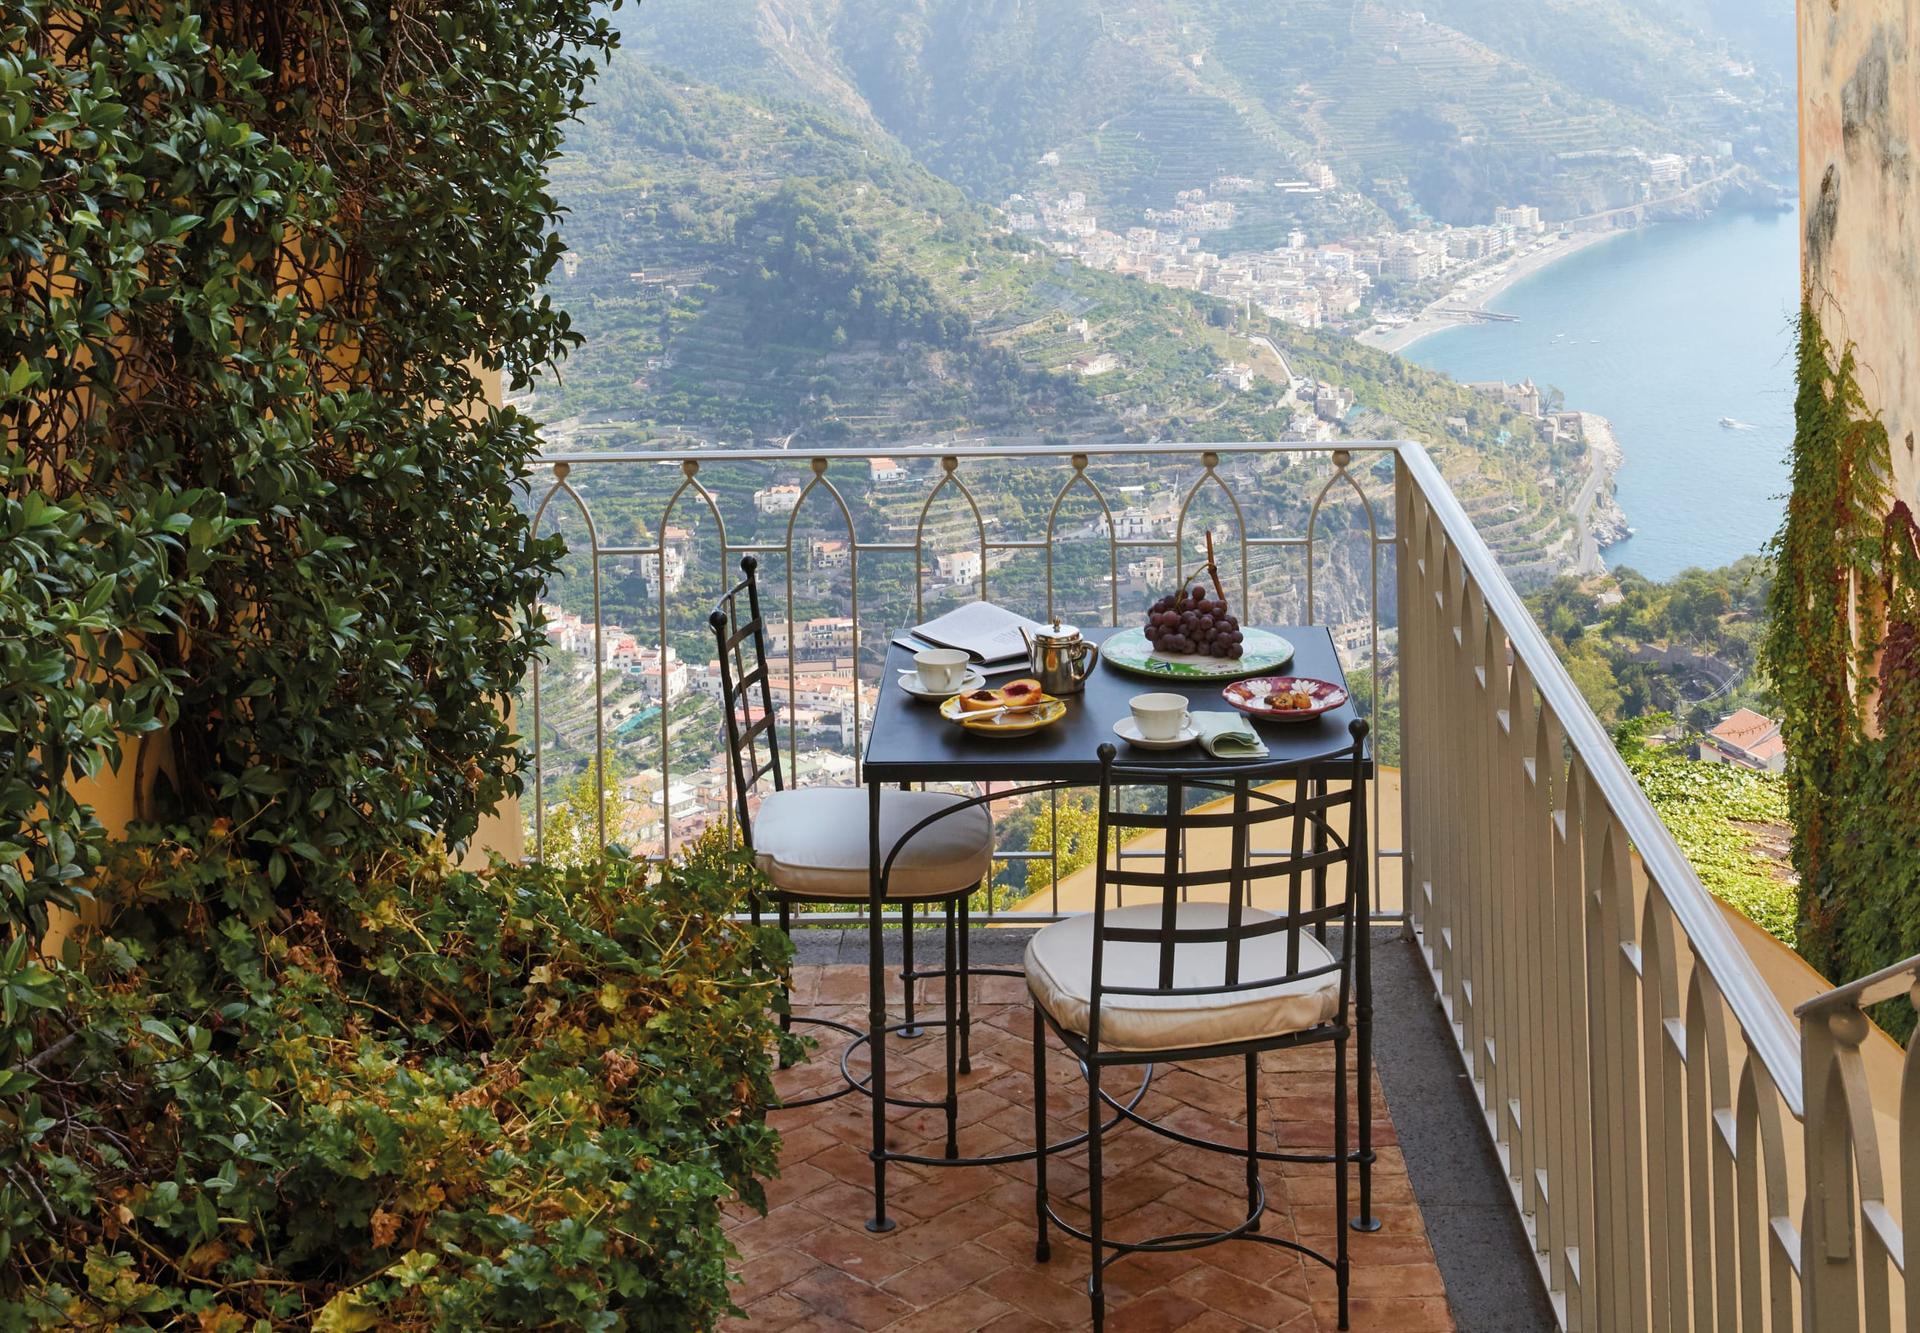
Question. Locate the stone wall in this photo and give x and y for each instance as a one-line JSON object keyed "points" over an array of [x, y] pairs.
{"points": [[1860, 199]]}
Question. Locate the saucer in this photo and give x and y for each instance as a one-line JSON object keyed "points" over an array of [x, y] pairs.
{"points": [[910, 682], [1128, 732]]}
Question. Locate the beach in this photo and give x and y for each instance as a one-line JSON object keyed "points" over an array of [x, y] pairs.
{"points": [[1451, 310]]}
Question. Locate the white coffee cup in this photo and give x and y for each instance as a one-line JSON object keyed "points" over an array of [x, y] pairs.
{"points": [[941, 668], [1160, 717]]}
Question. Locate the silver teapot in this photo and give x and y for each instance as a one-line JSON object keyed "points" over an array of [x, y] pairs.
{"points": [[1060, 659]]}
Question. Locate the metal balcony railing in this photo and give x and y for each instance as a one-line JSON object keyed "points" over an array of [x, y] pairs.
{"points": [[1639, 1079], [1303, 530]]}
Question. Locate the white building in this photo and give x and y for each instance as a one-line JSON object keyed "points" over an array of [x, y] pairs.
{"points": [[647, 665], [959, 567], [1522, 218], [1668, 169], [776, 499], [1234, 376]]}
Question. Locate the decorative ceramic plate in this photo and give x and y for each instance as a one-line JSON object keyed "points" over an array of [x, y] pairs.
{"points": [[1250, 697], [1260, 650], [910, 682], [1028, 719]]}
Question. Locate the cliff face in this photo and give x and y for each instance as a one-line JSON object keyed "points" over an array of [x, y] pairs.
{"points": [[1860, 200]]}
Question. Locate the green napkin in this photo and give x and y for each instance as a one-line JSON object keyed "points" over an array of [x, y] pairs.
{"points": [[1229, 736]]}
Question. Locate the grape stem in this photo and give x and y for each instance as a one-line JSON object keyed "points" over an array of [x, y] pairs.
{"points": [[1213, 571]]}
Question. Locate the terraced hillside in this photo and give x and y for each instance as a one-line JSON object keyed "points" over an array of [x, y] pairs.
{"points": [[747, 269], [1457, 105]]}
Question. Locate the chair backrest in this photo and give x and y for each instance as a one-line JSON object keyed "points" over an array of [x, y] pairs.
{"points": [[1255, 807], [746, 691]]}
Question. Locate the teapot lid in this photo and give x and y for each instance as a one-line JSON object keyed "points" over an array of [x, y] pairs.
{"points": [[1057, 633]]}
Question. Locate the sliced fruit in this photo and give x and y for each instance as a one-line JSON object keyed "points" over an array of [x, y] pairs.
{"points": [[979, 701], [1023, 691]]}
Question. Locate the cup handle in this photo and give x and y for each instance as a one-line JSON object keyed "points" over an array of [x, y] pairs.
{"points": [[1186, 720]]}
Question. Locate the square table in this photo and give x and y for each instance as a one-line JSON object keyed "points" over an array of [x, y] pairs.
{"points": [[909, 742]]}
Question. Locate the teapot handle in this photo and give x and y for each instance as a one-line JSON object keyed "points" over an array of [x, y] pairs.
{"points": [[1083, 660]]}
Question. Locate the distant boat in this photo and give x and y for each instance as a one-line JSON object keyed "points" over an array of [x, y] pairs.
{"points": [[1728, 423]]}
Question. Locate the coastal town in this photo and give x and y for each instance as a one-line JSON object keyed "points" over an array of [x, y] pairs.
{"points": [[1387, 287]]}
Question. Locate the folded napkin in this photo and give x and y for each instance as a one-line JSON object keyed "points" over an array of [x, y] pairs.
{"points": [[1229, 736]]}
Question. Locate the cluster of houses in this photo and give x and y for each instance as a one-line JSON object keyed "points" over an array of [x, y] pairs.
{"points": [[1307, 285]]}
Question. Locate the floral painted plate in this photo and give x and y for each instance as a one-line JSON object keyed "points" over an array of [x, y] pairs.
{"points": [[1250, 697], [1260, 650]]}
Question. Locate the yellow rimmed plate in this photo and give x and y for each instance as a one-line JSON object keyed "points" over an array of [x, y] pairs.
{"points": [[1045, 713]]}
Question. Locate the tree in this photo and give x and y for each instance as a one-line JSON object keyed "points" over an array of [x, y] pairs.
{"points": [[1078, 839], [1596, 682]]}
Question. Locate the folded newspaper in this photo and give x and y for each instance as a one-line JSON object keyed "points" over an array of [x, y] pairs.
{"points": [[986, 633]]}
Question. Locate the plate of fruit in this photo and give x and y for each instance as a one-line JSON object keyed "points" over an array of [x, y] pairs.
{"points": [[1191, 635], [1015, 709], [1284, 698]]}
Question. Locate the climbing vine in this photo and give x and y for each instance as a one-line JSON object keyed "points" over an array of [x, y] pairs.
{"points": [[1843, 651], [262, 548]]}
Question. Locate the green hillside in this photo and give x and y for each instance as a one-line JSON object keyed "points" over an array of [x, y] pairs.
{"points": [[1449, 107], [748, 269]]}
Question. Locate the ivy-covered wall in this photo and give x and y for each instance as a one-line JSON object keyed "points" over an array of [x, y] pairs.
{"points": [[262, 552], [1844, 642]]}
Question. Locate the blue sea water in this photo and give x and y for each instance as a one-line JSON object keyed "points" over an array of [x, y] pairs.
{"points": [[1664, 332]]}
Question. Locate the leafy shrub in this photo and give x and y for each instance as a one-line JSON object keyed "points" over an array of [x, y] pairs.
{"points": [[256, 511], [447, 1100]]}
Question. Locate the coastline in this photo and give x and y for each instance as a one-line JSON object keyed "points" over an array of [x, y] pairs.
{"points": [[1447, 312], [1597, 516]]}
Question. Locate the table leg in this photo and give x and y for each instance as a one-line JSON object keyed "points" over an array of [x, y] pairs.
{"points": [[877, 1012], [1360, 869]]}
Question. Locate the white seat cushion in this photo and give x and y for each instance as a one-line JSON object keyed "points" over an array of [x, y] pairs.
{"points": [[1060, 977], [812, 843]]}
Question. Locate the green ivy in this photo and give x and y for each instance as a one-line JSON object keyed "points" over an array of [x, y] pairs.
{"points": [[260, 537], [1841, 651]]}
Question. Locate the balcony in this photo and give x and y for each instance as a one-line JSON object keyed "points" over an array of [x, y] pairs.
{"points": [[1648, 1140]]}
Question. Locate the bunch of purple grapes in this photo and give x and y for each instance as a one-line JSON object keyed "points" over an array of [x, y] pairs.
{"points": [[1189, 621]]}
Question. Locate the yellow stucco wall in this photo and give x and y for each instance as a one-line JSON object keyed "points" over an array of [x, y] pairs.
{"points": [[1860, 200]]}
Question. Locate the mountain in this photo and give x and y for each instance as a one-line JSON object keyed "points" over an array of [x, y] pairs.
{"points": [[745, 268], [1442, 108]]}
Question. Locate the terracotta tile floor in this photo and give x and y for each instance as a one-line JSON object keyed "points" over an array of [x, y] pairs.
{"points": [[961, 1257]]}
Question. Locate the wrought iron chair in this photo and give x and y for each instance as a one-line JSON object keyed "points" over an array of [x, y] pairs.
{"points": [[1180, 980], [812, 844]]}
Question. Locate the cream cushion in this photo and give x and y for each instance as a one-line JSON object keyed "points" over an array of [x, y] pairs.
{"points": [[812, 843], [1060, 977]]}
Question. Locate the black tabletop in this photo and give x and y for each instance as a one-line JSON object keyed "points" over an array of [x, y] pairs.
{"points": [[910, 742]]}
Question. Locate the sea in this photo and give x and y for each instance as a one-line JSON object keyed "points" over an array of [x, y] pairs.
{"points": [[1665, 331]]}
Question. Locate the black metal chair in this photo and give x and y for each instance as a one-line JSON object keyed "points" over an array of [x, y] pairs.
{"points": [[812, 845], [1181, 980]]}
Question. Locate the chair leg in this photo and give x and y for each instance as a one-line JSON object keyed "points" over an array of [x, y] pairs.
{"points": [[966, 992], [1096, 1283], [953, 1043], [1340, 1164], [907, 983], [1253, 1136], [877, 1012], [786, 986], [1042, 1250]]}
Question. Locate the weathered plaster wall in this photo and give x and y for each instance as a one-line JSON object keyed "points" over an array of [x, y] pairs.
{"points": [[1860, 199]]}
